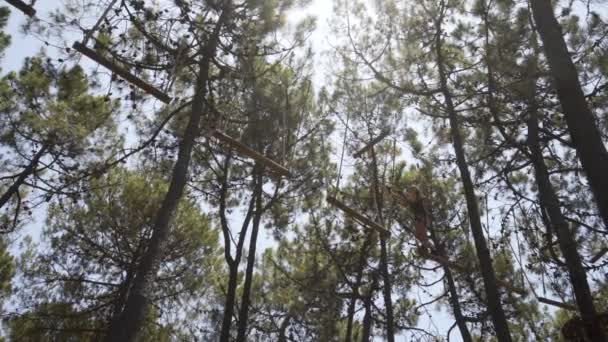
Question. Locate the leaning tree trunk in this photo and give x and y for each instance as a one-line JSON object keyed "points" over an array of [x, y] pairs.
{"points": [[246, 298], [586, 137], [388, 302], [497, 313], [453, 291], [550, 202], [133, 316], [29, 169]]}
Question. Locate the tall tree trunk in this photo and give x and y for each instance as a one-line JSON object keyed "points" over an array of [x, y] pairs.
{"points": [[246, 298], [29, 169], [352, 306], [497, 313], [367, 304], [455, 303], [126, 284], [586, 137], [453, 291], [550, 202], [132, 318], [233, 263], [229, 303], [388, 302]]}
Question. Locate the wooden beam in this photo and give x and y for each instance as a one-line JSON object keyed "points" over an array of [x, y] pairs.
{"points": [[23, 7], [148, 88], [245, 150], [371, 144], [365, 221], [556, 303], [600, 254]]}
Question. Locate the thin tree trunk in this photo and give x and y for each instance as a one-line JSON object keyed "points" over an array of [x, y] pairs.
{"points": [[584, 132], [353, 303], [126, 284], [29, 169], [233, 263], [133, 317], [550, 202], [453, 291], [388, 302], [246, 298], [497, 313], [367, 303], [229, 303], [460, 320], [283, 329]]}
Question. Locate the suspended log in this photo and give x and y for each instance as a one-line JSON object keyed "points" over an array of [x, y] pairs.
{"points": [[556, 303], [445, 262], [277, 169], [600, 254], [358, 217], [148, 88], [23, 7], [371, 144]]}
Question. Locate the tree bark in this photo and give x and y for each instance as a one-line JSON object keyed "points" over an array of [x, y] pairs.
{"points": [[233, 263], [497, 313], [246, 298], [550, 202], [386, 290], [584, 132], [353, 303], [367, 303], [133, 317], [229, 303], [453, 291]]}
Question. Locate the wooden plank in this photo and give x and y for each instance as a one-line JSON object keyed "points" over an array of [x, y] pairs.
{"points": [[245, 150], [23, 7], [358, 217], [148, 88], [600, 254], [556, 303], [371, 144]]}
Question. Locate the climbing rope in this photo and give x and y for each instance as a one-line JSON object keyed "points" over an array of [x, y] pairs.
{"points": [[342, 154]]}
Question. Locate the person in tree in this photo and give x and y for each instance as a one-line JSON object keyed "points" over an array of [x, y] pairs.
{"points": [[421, 208]]}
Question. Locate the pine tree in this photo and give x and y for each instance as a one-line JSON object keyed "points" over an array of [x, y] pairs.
{"points": [[81, 283]]}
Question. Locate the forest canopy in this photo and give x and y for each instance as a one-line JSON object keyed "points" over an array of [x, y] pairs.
{"points": [[257, 170]]}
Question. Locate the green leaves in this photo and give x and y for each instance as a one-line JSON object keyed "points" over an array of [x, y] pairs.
{"points": [[95, 242]]}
